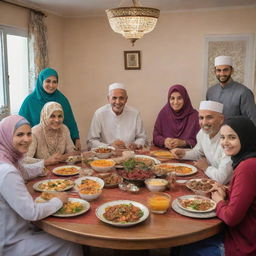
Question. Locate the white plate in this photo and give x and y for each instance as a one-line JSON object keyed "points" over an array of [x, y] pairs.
{"points": [[148, 157], [198, 215], [195, 197], [120, 166], [36, 185], [193, 168], [86, 207], [101, 210], [198, 191], [79, 181], [55, 170]]}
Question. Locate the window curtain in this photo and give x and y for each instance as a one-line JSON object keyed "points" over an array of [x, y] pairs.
{"points": [[37, 40]]}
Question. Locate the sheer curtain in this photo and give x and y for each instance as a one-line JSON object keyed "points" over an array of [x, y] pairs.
{"points": [[38, 54]]}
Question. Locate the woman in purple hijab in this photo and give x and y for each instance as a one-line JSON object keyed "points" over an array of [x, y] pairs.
{"points": [[177, 123]]}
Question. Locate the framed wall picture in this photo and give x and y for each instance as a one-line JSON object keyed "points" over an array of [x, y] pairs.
{"points": [[132, 60]]}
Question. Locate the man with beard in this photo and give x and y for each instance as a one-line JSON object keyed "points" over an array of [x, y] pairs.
{"points": [[208, 155], [117, 124], [237, 99]]}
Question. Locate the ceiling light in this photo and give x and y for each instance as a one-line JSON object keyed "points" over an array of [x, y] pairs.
{"points": [[133, 22]]}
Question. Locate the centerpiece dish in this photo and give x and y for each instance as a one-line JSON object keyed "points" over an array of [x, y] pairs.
{"points": [[200, 186], [53, 185], [102, 165], [147, 160], [136, 172], [103, 152], [194, 203], [122, 213], [66, 170], [180, 169]]}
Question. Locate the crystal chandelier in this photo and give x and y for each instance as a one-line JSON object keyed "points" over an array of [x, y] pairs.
{"points": [[133, 22]]}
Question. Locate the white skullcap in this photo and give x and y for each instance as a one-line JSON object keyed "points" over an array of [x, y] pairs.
{"points": [[116, 86], [211, 105], [223, 60]]}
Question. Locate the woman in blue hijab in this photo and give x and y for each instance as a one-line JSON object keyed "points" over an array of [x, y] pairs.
{"points": [[45, 91]]}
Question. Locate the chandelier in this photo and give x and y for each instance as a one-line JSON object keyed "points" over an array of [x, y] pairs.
{"points": [[133, 22]]}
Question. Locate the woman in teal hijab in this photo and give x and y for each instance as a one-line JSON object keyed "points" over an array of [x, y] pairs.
{"points": [[45, 91]]}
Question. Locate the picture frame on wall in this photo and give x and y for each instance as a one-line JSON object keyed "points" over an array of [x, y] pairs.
{"points": [[132, 60]]}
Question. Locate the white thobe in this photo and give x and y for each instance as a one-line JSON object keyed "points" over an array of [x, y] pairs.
{"points": [[220, 165], [17, 209], [106, 127]]}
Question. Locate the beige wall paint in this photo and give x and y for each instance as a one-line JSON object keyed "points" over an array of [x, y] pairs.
{"points": [[89, 56], [173, 53]]}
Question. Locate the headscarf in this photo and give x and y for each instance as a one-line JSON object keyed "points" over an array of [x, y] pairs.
{"points": [[52, 137], [8, 126], [246, 132], [33, 104]]}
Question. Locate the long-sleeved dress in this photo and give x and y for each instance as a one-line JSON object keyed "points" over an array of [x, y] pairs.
{"points": [[17, 209], [239, 212]]}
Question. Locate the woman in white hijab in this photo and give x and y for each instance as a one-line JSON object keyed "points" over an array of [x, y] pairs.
{"points": [[51, 138]]}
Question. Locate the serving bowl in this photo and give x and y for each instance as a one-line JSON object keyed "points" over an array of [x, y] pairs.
{"points": [[89, 197], [102, 165], [156, 185], [103, 152]]}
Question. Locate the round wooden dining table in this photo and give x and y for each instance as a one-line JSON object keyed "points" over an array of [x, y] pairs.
{"points": [[157, 231]]}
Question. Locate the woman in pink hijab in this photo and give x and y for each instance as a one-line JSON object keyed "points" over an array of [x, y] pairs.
{"points": [[177, 123], [17, 207]]}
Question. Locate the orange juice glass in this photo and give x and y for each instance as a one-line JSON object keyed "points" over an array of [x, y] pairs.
{"points": [[159, 202]]}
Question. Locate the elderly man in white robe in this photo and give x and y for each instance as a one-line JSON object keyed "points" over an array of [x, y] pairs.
{"points": [[117, 124], [208, 154]]}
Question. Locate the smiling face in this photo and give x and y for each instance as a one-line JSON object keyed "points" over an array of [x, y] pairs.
{"points": [[176, 101], [22, 138], [223, 73], [50, 84], [210, 122], [117, 98], [55, 120], [229, 141]]}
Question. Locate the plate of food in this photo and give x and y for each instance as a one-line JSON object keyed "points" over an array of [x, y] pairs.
{"points": [[162, 154], [51, 185], [74, 206], [143, 159], [196, 204], [179, 168], [197, 215], [200, 186], [122, 213], [111, 180], [103, 151], [66, 170], [73, 159], [83, 182]]}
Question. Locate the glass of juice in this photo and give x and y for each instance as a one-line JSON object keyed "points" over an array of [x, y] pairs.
{"points": [[159, 202]]}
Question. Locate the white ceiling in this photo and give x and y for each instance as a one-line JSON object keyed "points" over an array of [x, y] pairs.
{"points": [[85, 8]]}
